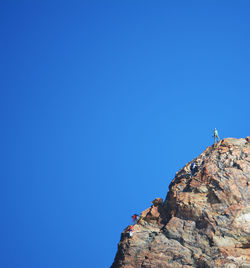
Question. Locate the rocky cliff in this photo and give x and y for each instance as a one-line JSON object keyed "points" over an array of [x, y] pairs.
{"points": [[204, 220]]}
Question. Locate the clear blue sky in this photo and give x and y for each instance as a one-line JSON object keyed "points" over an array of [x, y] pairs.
{"points": [[101, 103]]}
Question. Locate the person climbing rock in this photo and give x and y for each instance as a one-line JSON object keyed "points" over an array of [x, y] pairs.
{"points": [[131, 230], [193, 168], [216, 136], [135, 218]]}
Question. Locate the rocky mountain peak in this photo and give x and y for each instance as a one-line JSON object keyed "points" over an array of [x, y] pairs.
{"points": [[204, 220]]}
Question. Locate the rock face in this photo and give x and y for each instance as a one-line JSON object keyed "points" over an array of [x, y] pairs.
{"points": [[204, 220]]}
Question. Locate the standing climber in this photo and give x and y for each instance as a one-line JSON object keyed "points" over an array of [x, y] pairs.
{"points": [[135, 218], [193, 168], [131, 230], [216, 136]]}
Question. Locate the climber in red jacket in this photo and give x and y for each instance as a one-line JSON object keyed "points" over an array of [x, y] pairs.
{"points": [[135, 218]]}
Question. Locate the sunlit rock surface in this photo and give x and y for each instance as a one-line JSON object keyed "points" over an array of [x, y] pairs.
{"points": [[204, 220]]}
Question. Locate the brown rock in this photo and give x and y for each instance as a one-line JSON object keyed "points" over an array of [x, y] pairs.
{"points": [[157, 201], [204, 220]]}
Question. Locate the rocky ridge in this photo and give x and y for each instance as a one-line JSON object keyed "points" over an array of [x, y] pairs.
{"points": [[204, 220]]}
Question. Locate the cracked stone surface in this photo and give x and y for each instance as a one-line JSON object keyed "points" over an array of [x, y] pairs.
{"points": [[204, 220]]}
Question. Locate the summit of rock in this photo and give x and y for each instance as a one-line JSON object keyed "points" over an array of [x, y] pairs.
{"points": [[204, 220]]}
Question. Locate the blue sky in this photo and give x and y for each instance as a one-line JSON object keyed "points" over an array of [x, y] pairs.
{"points": [[101, 102]]}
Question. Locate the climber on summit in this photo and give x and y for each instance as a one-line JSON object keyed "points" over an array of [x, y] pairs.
{"points": [[135, 218], [216, 136]]}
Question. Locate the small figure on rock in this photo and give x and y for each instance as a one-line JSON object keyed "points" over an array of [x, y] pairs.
{"points": [[131, 230], [135, 218], [216, 136], [193, 168]]}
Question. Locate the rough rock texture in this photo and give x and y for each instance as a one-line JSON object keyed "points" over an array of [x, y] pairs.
{"points": [[205, 219]]}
